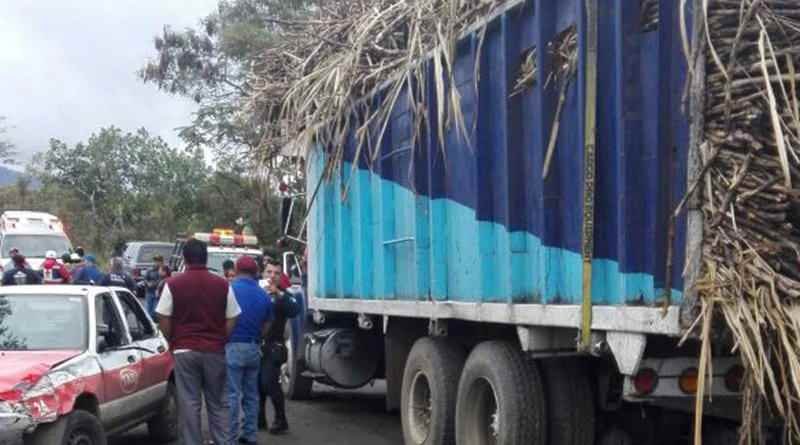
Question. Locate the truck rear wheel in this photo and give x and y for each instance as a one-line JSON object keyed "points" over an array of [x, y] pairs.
{"points": [[501, 399], [430, 386], [570, 402]]}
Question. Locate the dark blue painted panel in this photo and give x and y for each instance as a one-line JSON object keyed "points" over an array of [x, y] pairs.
{"points": [[494, 166]]}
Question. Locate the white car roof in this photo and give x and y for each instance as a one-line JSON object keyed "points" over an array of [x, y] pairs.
{"points": [[52, 289]]}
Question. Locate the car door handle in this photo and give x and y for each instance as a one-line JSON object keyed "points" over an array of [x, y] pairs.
{"points": [[131, 359]]}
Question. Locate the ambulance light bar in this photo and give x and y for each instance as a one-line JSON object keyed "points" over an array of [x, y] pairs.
{"points": [[227, 239]]}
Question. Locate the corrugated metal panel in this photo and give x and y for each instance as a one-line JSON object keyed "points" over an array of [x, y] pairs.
{"points": [[480, 224]]}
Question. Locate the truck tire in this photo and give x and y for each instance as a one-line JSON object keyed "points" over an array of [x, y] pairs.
{"points": [[294, 385], [570, 402], [163, 427], [501, 400], [78, 427], [430, 387]]}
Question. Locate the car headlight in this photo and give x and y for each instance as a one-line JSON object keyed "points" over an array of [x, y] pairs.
{"points": [[47, 384]]}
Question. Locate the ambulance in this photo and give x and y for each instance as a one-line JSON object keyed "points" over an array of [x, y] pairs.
{"points": [[33, 234], [223, 244]]}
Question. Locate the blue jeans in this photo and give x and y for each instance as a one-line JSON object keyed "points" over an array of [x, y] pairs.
{"points": [[243, 360], [150, 303]]}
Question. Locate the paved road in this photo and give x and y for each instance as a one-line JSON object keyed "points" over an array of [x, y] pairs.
{"points": [[333, 417]]}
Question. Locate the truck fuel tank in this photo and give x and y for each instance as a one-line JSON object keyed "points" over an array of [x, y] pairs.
{"points": [[346, 358]]}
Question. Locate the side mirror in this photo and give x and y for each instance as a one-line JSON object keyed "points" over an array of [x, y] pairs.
{"points": [[286, 214]]}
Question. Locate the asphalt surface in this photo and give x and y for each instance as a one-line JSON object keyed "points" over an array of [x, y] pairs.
{"points": [[332, 417]]}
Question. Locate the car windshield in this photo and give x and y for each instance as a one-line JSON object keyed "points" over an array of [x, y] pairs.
{"points": [[35, 246], [42, 322], [147, 252], [215, 260]]}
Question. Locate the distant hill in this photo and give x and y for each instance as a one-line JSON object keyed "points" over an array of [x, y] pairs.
{"points": [[8, 176]]}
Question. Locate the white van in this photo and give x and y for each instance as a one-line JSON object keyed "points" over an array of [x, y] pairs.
{"points": [[33, 233]]}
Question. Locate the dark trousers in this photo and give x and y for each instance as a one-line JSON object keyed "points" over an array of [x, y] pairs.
{"points": [[270, 386], [198, 376]]}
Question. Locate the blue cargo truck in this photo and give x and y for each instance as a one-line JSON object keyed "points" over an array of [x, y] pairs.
{"points": [[503, 306]]}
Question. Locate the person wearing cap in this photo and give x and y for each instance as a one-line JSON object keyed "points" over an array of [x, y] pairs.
{"points": [[243, 351], [117, 277], [54, 272], [88, 272], [152, 279], [20, 274], [284, 307]]}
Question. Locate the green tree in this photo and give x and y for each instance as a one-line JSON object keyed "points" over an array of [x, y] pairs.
{"points": [[7, 149], [117, 186], [211, 65]]}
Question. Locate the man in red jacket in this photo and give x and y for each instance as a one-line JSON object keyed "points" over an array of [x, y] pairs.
{"points": [[197, 313], [54, 272]]}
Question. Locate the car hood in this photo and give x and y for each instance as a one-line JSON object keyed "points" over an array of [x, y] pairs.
{"points": [[26, 368]]}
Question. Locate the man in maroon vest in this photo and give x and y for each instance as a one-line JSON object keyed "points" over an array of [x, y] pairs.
{"points": [[197, 313]]}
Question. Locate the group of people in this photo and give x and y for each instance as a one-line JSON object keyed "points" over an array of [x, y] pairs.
{"points": [[70, 268], [227, 329]]}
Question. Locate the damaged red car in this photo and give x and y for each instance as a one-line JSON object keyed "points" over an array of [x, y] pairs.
{"points": [[80, 363]]}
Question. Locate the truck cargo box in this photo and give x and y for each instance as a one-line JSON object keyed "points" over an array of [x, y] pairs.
{"points": [[473, 230]]}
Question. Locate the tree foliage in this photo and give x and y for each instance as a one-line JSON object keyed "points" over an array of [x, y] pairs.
{"points": [[122, 185], [7, 149], [211, 65]]}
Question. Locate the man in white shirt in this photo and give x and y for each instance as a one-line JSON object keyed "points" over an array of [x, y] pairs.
{"points": [[197, 313]]}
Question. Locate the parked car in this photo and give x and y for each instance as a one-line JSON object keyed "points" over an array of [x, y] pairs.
{"points": [[138, 256], [81, 362]]}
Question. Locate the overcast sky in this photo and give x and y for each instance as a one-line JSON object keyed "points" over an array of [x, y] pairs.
{"points": [[68, 67]]}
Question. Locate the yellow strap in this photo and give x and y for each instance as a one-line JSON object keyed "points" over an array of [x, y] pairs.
{"points": [[589, 166]]}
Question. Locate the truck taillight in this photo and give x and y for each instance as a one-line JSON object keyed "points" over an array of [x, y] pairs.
{"points": [[687, 382], [645, 381], [733, 378]]}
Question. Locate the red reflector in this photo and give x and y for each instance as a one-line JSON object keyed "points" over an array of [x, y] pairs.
{"points": [[645, 381], [734, 377]]}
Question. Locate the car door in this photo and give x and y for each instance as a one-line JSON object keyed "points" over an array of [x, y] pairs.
{"points": [[156, 359], [120, 362]]}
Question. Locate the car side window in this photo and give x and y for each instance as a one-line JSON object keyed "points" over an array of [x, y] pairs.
{"points": [[109, 324], [139, 325]]}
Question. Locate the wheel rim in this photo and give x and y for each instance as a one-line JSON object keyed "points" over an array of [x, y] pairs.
{"points": [[287, 368], [80, 437], [420, 408], [483, 417]]}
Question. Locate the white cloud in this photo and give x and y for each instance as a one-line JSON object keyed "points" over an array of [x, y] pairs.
{"points": [[68, 68]]}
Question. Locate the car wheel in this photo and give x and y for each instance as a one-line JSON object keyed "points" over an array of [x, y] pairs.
{"points": [[164, 426], [77, 428], [295, 386]]}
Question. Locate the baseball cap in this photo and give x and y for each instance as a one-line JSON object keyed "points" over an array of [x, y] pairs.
{"points": [[51, 255], [75, 257], [90, 259], [246, 263]]}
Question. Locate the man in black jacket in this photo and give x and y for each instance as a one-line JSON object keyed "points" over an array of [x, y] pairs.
{"points": [[20, 274], [284, 307]]}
